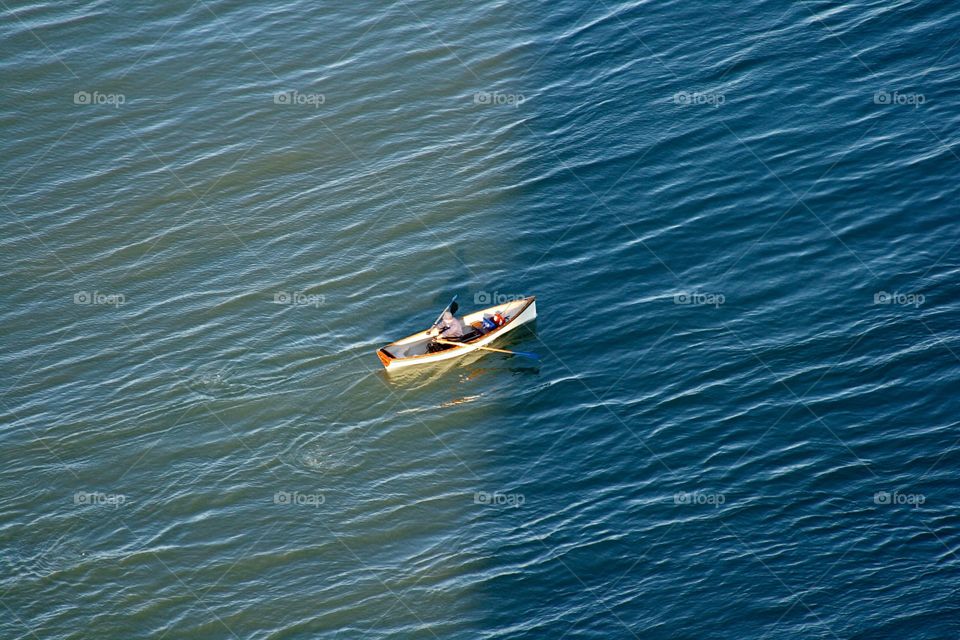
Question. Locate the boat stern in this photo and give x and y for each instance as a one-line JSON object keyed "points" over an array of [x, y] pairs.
{"points": [[385, 358]]}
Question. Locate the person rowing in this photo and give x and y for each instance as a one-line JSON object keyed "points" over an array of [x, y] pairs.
{"points": [[449, 326]]}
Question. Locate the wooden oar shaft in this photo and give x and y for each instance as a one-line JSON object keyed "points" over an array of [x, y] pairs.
{"points": [[460, 344]]}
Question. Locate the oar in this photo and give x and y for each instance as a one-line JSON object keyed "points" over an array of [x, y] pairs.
{"points": [[526, 354], [440, 317]]}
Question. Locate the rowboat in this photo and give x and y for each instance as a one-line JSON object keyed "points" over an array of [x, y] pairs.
{"points": [[412, 350]]}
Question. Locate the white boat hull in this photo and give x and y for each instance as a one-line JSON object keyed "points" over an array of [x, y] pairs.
{"points": [[410, 351]]}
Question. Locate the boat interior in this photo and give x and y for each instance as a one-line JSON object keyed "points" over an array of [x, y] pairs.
{"points": [[419, 343]]}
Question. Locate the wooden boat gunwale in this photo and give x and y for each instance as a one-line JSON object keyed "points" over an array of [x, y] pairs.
{"points": [[388, 359]]}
